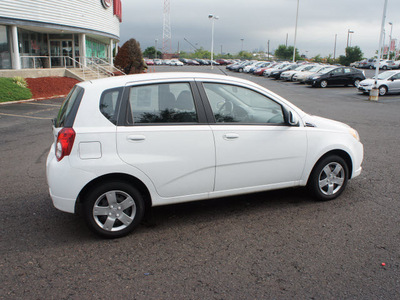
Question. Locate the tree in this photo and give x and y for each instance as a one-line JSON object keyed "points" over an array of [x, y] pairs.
{"points": [[352, 54], [150, 52], [245, 55], [284, 52], [129, 58]]}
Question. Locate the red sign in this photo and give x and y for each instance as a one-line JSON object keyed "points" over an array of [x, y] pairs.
{"points": [[392, 45], [118, 9]]}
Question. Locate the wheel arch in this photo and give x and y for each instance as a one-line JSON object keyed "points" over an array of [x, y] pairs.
{"points": [[137, 183], [341, 153]]}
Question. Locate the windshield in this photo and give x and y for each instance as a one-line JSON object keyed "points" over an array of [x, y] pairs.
{"points": [[68, 109], [385, 75]]}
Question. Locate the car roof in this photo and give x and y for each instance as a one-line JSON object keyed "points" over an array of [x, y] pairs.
{"points": [[127, 79]]}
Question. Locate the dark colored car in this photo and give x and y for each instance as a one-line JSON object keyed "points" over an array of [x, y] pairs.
{"points": [[277, 74], [336, 76]]}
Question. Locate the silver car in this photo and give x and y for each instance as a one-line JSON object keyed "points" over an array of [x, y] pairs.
{"points": [[388, 82]]}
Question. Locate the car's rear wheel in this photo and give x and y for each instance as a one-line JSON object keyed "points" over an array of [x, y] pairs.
{"points": [[113, 209], [382, 90], [323, 84], [329, 178]]}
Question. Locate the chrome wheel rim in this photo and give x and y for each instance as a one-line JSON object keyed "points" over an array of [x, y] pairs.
{"points": [[331, 178], [382, 91], [114, 210], [324, 83], [356, 83]]}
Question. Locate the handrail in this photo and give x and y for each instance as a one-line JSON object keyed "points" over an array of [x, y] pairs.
{"points": [[87, 64], [109, 65]]}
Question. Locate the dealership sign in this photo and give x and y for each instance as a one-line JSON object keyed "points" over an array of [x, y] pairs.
{"points": [[106, 3]]}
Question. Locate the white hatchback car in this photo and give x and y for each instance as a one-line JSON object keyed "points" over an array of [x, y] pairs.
{"points": [[125, 144]]}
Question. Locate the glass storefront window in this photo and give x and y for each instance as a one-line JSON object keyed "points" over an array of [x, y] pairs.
{"points": [[5, 56], [96, 49]]}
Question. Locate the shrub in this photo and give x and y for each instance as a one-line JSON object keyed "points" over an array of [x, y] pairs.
{"points": [[129, 58], [20, 81]]}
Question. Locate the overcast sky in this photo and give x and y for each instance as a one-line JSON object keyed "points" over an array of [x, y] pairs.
{"points": [[257, 21]]}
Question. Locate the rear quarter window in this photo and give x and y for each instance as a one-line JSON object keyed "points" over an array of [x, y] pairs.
{"points": [[69, 108], [109, 103]]}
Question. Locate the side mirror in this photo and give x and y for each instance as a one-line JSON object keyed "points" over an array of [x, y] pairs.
{"points": [[290, 117]]}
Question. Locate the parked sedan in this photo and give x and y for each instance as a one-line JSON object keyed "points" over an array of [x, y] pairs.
{"points": [[125, 144], [388, 82], [302, 76], [277, 73], [336, 76], [289, 74]]}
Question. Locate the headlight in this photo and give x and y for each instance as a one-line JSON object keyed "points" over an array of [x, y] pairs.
{"points": [[354, 133], [315, 77]]}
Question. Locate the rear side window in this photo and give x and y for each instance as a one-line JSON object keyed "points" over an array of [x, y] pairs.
{"points": [[67, 113], [109, 104], [161, 103]]}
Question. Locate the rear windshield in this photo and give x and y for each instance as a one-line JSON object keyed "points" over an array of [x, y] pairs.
{"points": [[67, 113]]}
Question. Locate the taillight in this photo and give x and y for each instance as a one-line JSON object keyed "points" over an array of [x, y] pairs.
{"points": [[65, 141]]}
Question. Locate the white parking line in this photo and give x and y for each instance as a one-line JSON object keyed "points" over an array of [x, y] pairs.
{"points": [[23, 116], [44, 104]]}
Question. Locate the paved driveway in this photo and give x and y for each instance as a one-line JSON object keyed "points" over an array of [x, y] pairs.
{"points": [[275, 245]]}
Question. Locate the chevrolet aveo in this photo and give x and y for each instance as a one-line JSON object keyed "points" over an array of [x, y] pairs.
{"points": [[125, 144]]}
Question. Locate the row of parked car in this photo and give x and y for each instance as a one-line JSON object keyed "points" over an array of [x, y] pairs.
{"points": [[371, 63], [185, 61], [320, 75]]}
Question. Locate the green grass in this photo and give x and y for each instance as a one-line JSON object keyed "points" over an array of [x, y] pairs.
{"points": [[10, 91]]}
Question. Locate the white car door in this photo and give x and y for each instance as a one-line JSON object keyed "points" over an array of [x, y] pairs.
{"points": [[254, 148], [395, 84], [165, 139]]}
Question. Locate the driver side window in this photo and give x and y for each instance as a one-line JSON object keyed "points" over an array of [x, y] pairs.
{"points": [[231, 103]]}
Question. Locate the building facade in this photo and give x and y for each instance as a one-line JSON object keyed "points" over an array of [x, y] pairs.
{"points": [[57, 33]]}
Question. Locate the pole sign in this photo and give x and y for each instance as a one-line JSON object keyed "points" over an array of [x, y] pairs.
{"points": [[106, 3]]}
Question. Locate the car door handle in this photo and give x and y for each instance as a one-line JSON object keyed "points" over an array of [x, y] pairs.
{"points": [[136, 138], [231, 136]]}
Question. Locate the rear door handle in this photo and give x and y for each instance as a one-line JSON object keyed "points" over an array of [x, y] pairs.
{"points": [[136, 138], [231, 136]]}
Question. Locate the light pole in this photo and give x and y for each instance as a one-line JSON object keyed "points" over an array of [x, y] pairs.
{"points": [[155, 48], [334, 48], [212, 18], [295, 32], [390, 38], [348, 34], [374, 94]]}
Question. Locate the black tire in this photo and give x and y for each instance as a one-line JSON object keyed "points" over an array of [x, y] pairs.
{"points": [[113, 209], [329, 178], [323, 83]]}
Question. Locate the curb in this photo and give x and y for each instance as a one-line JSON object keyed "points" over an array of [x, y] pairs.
{"points": [[33, 99]]}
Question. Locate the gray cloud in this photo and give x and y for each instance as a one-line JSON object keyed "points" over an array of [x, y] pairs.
{"points": [[257, 21]]}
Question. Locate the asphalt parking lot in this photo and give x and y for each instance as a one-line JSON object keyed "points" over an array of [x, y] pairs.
{"points": [[274, 245]]}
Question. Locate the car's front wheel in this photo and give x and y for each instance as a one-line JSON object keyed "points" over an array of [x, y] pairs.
{"points": [[356, 82], [113, 209], [329, 178], [323, 84], [382, 90]]}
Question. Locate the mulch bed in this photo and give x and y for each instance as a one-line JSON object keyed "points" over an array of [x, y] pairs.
{"points": [[50, 86]]}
